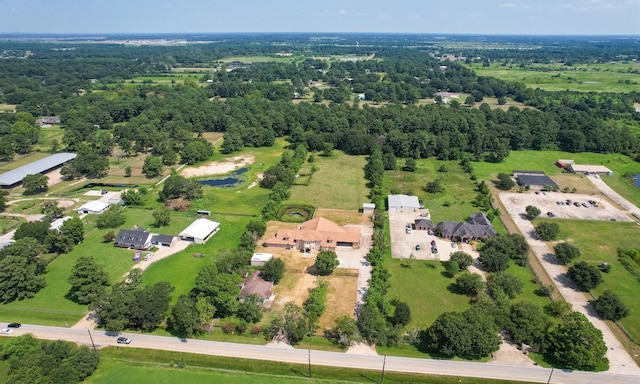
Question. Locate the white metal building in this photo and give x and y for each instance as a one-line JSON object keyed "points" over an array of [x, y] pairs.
{"points": [[403, 203], [200, 231], [259, 258], [94, 207]]}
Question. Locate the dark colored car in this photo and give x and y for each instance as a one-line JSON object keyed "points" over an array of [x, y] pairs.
{"points": [[434, 250], [550, 214], [14, 325], [124, 340], [417, 247], [433, 243]]}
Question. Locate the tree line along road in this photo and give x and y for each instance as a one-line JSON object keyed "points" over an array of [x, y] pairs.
{"points": [[101, 339]]}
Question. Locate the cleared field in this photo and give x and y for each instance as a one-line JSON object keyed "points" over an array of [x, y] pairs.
{"points": [[7, 107], [339, 183], [47, 136], [426, 289], [598, 242], [612, 77]]}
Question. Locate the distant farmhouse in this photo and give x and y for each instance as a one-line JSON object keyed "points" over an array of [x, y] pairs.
{"points": [[476, 227], [140, 239], [533, 179], [403, 203], [14, 177], [44, 122], [316, 235]]}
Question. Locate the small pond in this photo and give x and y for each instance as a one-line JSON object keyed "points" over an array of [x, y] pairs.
{"points": [[637, 180], [240, 171], [227, 182]]}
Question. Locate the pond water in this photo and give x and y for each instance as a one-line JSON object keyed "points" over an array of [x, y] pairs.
{"points": [[227, 182], [637, 180], [240, 171]]}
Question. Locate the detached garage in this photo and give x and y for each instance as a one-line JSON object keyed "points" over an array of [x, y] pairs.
{"points": [[200, 231]]}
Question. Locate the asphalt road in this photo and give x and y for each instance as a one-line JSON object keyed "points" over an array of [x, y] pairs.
{"points": [[334, 359]]}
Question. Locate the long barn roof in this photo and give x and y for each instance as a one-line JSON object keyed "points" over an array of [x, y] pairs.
{"points": [[39, 166]]}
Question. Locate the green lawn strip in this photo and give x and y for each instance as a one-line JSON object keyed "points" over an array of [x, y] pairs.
{"points": [[598, 242], [8, 223], [426, 289], [526, 275], [46, 137], [339, 183], [245, 368]]}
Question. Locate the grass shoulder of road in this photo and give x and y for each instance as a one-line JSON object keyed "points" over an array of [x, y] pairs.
{"points": [[598, 242], [155, 366], [338, 183]]}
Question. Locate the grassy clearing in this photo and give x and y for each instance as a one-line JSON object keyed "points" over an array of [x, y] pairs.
{"points": [[115, 365], [339, 183], [7, 108], [611, 77], [8, 223], [46, 137], [602, 248], [426, 289]]}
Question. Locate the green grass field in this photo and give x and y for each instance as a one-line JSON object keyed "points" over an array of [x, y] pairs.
{"points": [[598, 242], [610, 77], [425, 289], [339, 183], [157, 367], [46, 137]]}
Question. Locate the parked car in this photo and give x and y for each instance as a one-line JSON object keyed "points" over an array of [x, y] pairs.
{"points": [[408, 230], [418, 247], [6, 331], [585, 205], [592, 202], [434, 250], [148, 256], [453, 244], [568, 202], [550, 214], [14, 325], [576, 204], [123, 340], [433, 243]]}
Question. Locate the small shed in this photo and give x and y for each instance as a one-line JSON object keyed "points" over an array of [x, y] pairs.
{"points": [[368, 208], [202, 212], [259, 258]]}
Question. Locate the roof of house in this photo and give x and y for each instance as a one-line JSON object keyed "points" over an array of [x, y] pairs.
{"points": [[94, 205], [319, 229], [137, 237], [368, 205], [477, 226], [162, 238], [16, 175], [403, 201], [50, 120], [261, 256], [255, 284], [200, 228], [535, 180], [57, 224], [423, 222]]}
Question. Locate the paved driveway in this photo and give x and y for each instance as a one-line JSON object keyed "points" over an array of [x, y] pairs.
{"points": [[619, 360], [355, 258]]}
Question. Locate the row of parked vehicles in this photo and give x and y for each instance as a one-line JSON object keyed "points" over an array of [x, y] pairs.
{"points": [[577, 204]]}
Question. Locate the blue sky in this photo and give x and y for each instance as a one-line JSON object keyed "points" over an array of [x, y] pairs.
{"points": [[532, 17]]}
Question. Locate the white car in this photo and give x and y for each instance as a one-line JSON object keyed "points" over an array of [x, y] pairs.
{"points": [[148, 256], [6, 331]]}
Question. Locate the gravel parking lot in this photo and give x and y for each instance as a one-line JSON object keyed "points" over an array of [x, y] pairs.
{"points": [[556, 203], [404, 244]]}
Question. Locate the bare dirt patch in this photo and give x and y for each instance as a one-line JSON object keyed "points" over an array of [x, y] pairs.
{"points": [[66, 203], [343, 217], [259, 177], [219, 167]]}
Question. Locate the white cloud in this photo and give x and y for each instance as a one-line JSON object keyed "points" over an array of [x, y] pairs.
{"points": [[342, 12]]}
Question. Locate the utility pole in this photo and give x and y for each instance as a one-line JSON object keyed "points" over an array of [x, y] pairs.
{"points": [[91, 337], [384, 363], [309, 363]]}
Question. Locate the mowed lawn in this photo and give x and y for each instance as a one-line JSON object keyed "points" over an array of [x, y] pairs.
{"points": [[339, 183], [426, 289], [598, 242]]}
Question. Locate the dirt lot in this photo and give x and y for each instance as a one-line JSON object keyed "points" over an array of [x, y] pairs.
{"points": [[548, 202], [404, 244], [218, 167]]}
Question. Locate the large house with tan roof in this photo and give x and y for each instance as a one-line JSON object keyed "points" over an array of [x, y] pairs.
{"points": [[316, 235]]}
